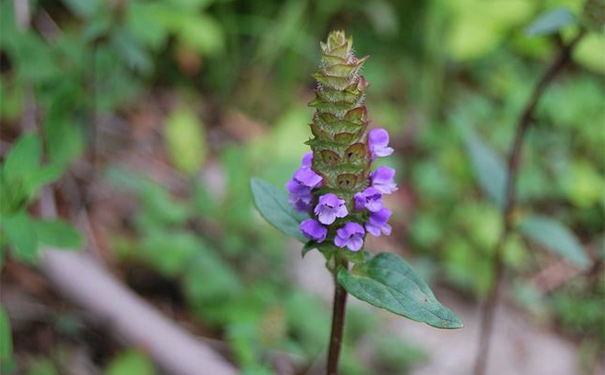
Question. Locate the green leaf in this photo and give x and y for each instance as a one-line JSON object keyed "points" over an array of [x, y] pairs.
{"points": [[22, 235], [273, 205], [555, 236], [185, 140], [131, 362], [58, 233], [488, 166], [388, 282], [6, 341], [551, 22], [308, 247], [24, 157]]}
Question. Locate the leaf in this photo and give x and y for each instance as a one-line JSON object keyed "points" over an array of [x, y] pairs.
{"points": [[6, 341], [58, 233], [131, 362], [488, 166], [308, 247], [273, 205], [185, 140], [24, 158], [388, 282], [554, 235], [22, 235], [550, 22]]}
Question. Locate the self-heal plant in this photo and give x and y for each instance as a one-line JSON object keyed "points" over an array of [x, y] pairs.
{"points": [[335, 199]]}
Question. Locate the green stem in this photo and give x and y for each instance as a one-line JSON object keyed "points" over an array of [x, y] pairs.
{"points": [[338, 319]]}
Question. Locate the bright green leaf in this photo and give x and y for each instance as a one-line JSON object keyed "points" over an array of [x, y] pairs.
{"points": [[22, 235], [6, 341], [273, 205], [551, 22], [129, 363], [58, 233], [555, 236], [185, 140], [388, 282], [24, 158]]}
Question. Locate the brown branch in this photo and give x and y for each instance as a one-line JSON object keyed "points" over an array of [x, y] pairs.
{"points": [[338, 320], [83, 280], [525, 121]]}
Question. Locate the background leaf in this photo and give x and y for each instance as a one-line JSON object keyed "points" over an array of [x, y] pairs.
{"points": [[131, 362], [390, 283], [185, 140], [550, 22], [22, 234], [273, 205], [58, 233], [555, 236], [488, 166], [24, 157], [6, 341]]}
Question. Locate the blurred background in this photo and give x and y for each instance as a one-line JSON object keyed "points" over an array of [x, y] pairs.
{"points": [[153, 116]]}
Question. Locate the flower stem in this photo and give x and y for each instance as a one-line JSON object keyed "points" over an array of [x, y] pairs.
{"points": [[338, 319]]}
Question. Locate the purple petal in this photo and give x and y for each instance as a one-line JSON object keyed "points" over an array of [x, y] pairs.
{"points": [[382, 180], [313, 230], [307, 177], [378, 222], [355, 244], [326, 216], [329, 208], [378, 141], [351, 236], [307, 159]]}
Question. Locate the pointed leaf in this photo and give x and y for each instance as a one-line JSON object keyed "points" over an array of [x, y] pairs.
{"points": [[555, 236], [58, 233], [22, 235], [24, 158], [273, 205], [388, 282], [488, 166], [551, 22]]}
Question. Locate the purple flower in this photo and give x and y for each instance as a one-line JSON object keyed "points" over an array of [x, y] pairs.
{"points": [[377, 222], [306, 176], [378, 142], [329, 208], [382, 180], [300, 196], [313, 230], [351, 236], [307, 159], [299, 187], [370, 198]]}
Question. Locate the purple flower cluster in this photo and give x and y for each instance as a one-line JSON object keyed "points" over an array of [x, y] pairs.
{"points": [[330, 207]]}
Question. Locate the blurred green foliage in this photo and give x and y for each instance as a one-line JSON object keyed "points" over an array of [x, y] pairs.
{"points": [[440, 70]]}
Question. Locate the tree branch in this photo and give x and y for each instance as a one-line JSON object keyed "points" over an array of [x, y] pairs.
{"points": [[83, 280], [525, 121]]}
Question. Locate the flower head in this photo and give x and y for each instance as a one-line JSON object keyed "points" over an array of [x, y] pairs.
{"points": [[350, 236], [382, 180], [313, 230], [370, 198], [329, 208], [378, 141], [378, 222]]}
